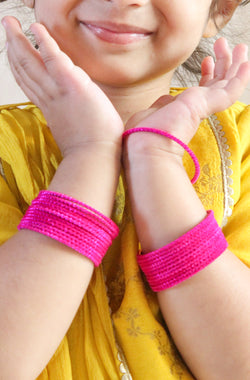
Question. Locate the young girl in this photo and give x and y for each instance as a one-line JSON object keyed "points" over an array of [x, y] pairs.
{"points": [[67, 312]]}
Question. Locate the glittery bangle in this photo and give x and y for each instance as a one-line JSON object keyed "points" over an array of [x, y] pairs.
{"points": [[72, 223], [184, 257], [171, 137]]}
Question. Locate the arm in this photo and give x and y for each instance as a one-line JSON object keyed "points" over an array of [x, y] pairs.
{"points": [[208, 314], [42, 282]]}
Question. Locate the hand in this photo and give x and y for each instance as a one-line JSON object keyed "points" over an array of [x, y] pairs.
{"points": [[221, 85], [77, 111]]}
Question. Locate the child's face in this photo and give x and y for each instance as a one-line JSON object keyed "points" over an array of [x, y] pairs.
{"points": [[121, 42]]}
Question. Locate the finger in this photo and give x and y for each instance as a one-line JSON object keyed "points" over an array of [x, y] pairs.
{"points": [[18, 60], [24, 58], [57, 63], [238, 83], [31, 89], [219, 99], [139, 116], [161, 102], [223, 58], [240, 55], [207, 70], [28, 91], [22, 78]]}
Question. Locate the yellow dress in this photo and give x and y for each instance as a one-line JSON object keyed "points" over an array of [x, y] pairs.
{"points": [[118, 331]]}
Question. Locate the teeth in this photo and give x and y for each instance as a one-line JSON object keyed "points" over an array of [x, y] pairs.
{"points": [[120, 37], [98, 28]]}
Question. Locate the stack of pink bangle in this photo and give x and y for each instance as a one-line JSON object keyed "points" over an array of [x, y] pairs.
{"points": [[184, 257], [72, 223]]}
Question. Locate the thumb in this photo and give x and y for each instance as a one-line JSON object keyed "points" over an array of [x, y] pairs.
{"points": [[159, 103], [162, 101]]}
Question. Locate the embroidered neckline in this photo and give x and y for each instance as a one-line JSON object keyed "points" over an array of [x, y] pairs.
{"points": [[123, 365], [226, 162]]}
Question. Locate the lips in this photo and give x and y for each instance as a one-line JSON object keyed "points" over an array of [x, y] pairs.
{"points": [[116, 33]]}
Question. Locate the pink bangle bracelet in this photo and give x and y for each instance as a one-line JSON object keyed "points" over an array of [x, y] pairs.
{"points": [[72, 223], [171, 137], [184, 257]]}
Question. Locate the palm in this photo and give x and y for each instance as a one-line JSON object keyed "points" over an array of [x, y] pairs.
{"points": [[221, 85]]}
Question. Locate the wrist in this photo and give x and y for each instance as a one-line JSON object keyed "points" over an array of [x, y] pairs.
{"points": [[90, 176], [144, 166], [139, 157], [110, 149], [146, 145], [171, 138]]}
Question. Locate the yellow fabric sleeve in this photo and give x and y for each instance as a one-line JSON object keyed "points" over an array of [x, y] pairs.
{"points": [[29, 158]]}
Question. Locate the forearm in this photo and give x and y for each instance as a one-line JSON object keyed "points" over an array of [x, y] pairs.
{"points": [[165, 205], [208, 316], [206, 313], [42, 282]]}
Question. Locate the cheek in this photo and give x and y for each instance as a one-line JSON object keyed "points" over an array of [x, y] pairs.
{"points": [[185, 18], [49, 12], [180, 32]]}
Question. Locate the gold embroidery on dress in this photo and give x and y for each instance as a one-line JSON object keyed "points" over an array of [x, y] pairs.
{"points": [[209, 186], [168, 348], [225, 167]]}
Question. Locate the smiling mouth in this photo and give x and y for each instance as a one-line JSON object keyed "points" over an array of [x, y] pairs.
{"points": [[117, 33]]}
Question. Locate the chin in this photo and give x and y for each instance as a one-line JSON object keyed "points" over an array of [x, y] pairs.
{"points": [[115, 77], [122, 77]]}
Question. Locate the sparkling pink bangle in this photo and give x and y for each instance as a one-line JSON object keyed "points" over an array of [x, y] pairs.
{"points": [[72, 223], [184, 257], [171, 137]]}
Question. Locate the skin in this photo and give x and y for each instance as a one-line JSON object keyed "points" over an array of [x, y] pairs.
{"points": [[128, 64], [90, 169]]}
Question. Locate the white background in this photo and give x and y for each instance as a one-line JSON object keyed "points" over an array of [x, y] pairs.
{"points": [[11, 93]]}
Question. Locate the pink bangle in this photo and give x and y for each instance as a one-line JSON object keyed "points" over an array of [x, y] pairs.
{"points": [[171, 137], [182, 258], [72, 223]]}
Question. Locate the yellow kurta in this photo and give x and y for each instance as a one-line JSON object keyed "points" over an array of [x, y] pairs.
{"points": [[118, 331]]}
